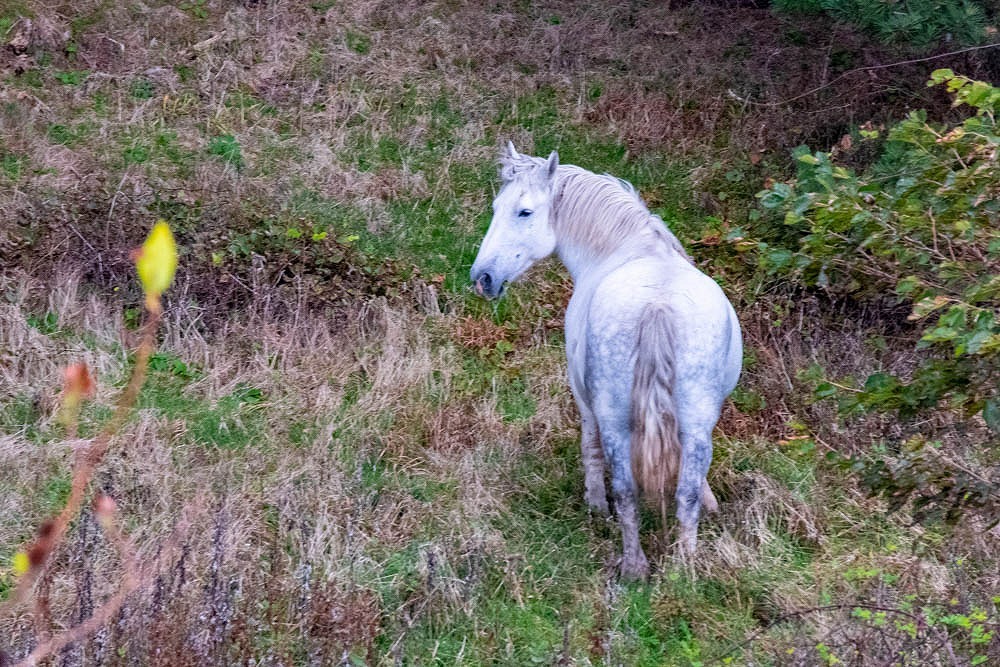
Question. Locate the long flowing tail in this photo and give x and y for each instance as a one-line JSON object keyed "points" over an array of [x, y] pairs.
{"points": [[656, 447]]}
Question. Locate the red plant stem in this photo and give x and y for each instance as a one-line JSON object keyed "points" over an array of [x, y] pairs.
{"points": [[87, 461], [136, 575]]}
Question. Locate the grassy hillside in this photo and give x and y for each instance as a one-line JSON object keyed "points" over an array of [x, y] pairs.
{"points": [[378, 467]]}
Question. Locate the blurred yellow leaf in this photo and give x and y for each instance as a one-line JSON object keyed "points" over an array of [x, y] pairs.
{"points": [[21, 563], [156, 261]]}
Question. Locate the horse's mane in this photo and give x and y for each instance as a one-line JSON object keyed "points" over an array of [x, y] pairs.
{"points": [[598, 211]]}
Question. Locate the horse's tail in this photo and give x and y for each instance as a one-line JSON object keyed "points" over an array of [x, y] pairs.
{"points": [[656, 446]]}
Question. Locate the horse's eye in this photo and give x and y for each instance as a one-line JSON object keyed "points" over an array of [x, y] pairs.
{"points": [[524, 213]]}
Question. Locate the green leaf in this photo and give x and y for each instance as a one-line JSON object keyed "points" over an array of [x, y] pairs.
{"points": [[991, 414], [825, 390], [776, 196], [976, 93], [779, 258], [976, 341], [955, 317], [939, 76], [926, 306], [880, 383], [907, 285], [939, 335]]}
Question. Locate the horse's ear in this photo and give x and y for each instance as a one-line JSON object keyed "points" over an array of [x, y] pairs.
{"points": [[508, 157], [552, 164]]}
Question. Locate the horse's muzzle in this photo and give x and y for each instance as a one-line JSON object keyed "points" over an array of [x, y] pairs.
{"points": [[487, 286]]}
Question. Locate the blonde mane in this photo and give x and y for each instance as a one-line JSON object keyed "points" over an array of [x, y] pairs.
{"points": [[597, 212]]}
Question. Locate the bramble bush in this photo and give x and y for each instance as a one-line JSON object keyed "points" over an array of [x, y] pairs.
{"points": [[919, 227]]}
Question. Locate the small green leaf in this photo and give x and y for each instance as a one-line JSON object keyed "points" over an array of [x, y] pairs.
{"points": [[776, 196], [926, 306], [907, 285], [825, 390], [991, 414], [881, 386], [940, 76]]}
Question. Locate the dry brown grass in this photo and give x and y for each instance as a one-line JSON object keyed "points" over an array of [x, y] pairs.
{"points": [[385, 488], [289, 526], [296, 555]]}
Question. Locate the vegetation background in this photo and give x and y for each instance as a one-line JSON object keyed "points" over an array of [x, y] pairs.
{"points": [[385, 468]]}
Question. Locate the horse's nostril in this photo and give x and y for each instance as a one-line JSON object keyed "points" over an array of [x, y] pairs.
{"points": [[486, 281]]}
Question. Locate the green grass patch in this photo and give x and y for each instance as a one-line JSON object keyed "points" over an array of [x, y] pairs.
{"points": [[47, 324], [358, 42], [137, 153], [228, 149], [69, 135], [70, 77], [236, 421], [13, 165], [160, 150], [247, 102], [515, 402], [55, 491], [142, 89], [21, 413], [196, 8], [173, 366]]}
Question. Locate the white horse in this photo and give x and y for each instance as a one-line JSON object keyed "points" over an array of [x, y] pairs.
{"points": [[653, 345]]}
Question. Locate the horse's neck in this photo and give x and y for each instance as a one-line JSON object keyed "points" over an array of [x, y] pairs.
{"points": [[583, 259], [591, 238]]}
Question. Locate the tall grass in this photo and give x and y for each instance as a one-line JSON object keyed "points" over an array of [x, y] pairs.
{"points": [[373, 493]]}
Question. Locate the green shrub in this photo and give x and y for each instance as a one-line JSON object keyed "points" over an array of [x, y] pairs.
{"points": [[920, 227], [916, 22]]}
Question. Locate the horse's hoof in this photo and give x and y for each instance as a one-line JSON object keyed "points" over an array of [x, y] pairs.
{"points": [[598, 506], [635, 568], [689, 540]]}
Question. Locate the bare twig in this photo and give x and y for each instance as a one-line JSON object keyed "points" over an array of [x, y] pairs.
{"points": [[858, 70], [51, 533], [137, 575], [805, 612]]}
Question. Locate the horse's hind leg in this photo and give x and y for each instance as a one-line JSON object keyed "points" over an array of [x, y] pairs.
{"points": [[616, 440], [708, 501], [692, 489], [593, 465], [596, 493], [634, 562]]}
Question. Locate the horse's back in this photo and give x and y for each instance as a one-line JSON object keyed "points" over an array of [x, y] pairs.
{"points": [[706, 334]]}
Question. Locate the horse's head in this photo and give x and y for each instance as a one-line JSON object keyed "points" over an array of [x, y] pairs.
{"points": [[521, 232]]}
